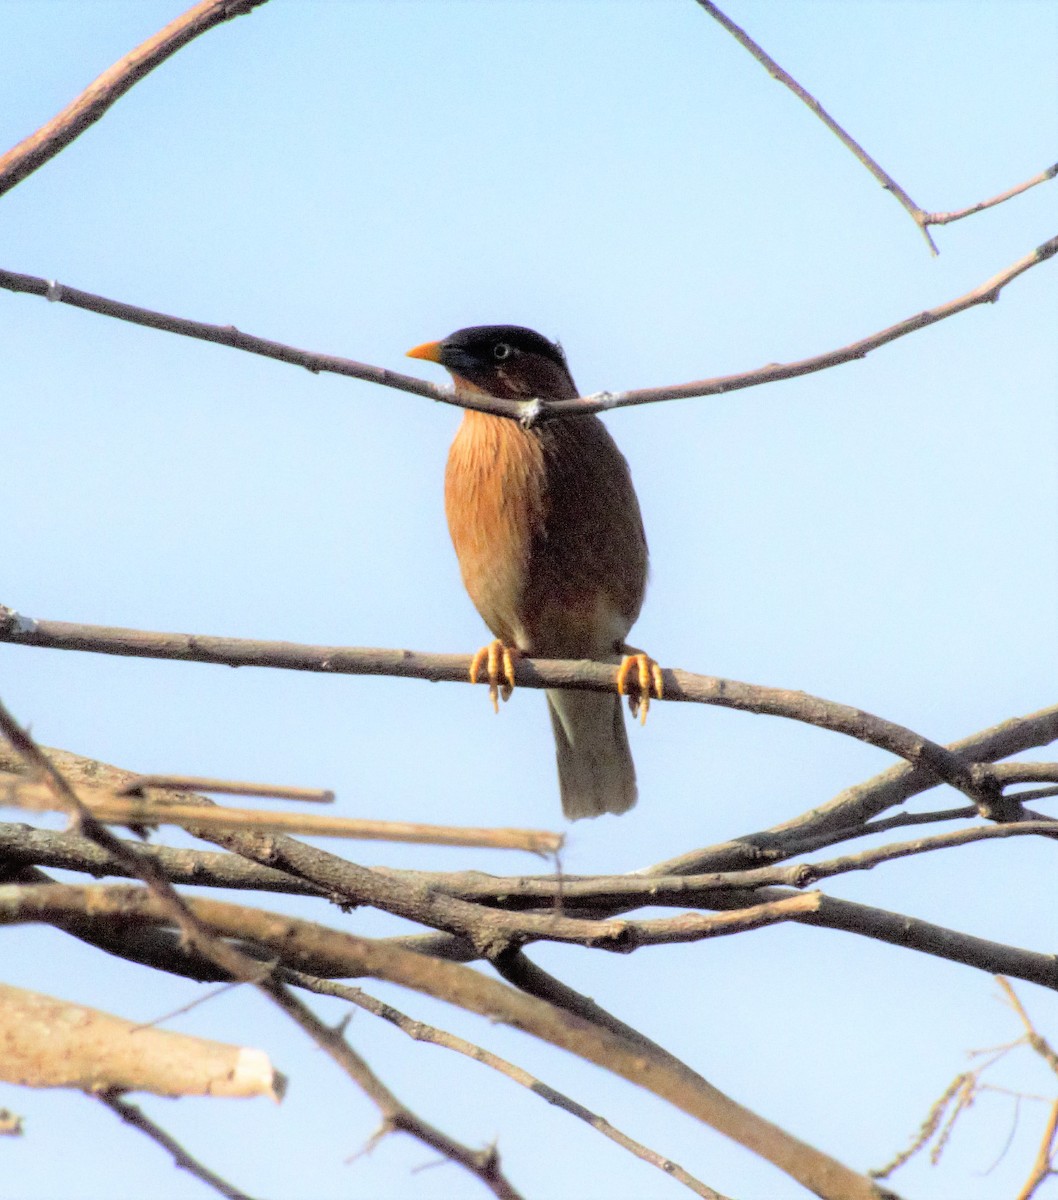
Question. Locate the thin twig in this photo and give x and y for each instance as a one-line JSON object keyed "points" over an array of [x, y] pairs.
{"points": [[396, 1116], [921, 218], [94, 101], [540, 410], [945, 218], [1043, 1167], [1038, 1043], [776, 72], [135, 1117], [422, 1032], [228, 787]]}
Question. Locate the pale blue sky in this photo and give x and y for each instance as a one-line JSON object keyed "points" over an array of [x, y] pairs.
{"points": [[359, 177]]}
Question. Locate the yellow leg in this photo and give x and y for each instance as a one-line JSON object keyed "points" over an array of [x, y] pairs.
{"points": [[648, 682], [498, 661]]}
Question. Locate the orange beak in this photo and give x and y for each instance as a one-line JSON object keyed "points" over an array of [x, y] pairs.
{"points": [[430, 351]]}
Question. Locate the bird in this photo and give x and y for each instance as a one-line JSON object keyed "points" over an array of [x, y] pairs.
{"points": [[548, 533]]}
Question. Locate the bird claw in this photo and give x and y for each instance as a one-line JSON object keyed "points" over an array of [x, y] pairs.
{"points": [[648, 682], [498, 660]]}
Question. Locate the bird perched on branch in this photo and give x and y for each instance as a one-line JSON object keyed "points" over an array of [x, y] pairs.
{"points": [[550, 542]]}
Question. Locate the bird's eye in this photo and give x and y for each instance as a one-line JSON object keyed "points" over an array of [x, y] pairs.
{"points": [[501, 351]]}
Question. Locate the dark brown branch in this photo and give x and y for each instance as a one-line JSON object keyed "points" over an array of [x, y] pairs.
{"points": [[533, 410], [419, 1031], [604, 893], [24, 844], [469, 931], [913, 934], [135, 1117], [532, 673], [94, 101]]}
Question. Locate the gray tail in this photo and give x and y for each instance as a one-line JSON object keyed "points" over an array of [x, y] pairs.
{"points": [[595, 769]]}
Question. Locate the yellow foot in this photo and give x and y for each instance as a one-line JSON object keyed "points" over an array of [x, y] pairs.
{"points": [[498, 660], [647, 682]]}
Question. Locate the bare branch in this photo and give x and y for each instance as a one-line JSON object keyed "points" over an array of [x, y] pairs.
{"points": [[304, 946], [48, 1042], [223, 954], [847, 813], [1043, 1167], [776, 72], [900, 930], [229, 787], [945, 218], [533, 673], [921, 218], [1038, 1043], [422, 1032], [135, 1117], [23, 844], [529, 410], [396, 1116], [94, 101], [115, 809]]}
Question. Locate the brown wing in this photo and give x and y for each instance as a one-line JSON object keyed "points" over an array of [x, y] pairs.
{"points": [[588, 562]]}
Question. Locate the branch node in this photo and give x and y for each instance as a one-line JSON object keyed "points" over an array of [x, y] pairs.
{"points": [[531, 411], [14, 622]]}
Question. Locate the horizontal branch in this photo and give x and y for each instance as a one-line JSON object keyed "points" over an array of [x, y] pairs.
{"points": [[94, 101], [115, 809], [532, 673], [23, 844], [527, 411], [48, 1042]]}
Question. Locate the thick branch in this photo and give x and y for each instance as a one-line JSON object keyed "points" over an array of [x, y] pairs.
{"points": [[48, 1042], [533, 410], [94, 101]]}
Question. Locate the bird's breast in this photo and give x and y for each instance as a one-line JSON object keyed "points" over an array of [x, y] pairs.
{"points": [[547, 530]]}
